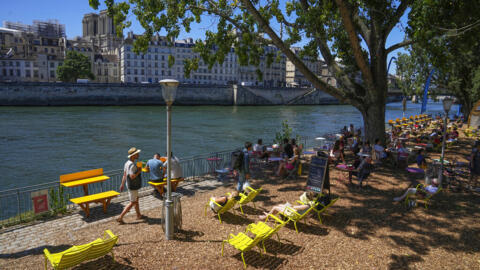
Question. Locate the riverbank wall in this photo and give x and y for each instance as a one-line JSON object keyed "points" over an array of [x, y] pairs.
{"points": [[97, 94]]}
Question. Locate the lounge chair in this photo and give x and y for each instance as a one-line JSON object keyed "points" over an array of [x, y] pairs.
{"points": [[248, 198], [324, 208], [425, 200], [78, 254], [243, 243], [292, 215], [261, 228], [229, 205]]}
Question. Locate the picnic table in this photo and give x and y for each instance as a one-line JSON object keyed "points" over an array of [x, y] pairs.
{"points": [[83, 179], [346, 168]]}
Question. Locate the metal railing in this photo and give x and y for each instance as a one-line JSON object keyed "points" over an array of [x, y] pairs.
{"points": [[16, 205]]}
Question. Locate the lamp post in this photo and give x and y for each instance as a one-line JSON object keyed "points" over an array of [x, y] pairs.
{"points": [[447, 104], [169, 90]]}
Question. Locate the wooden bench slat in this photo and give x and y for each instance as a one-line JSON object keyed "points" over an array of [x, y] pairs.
{"points": [[80, 175], [85, 181], [95, 197]]}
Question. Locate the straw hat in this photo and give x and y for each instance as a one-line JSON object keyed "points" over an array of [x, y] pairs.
{"points": [[133, 151]]}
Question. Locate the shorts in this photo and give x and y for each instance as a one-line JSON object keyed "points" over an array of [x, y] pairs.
{"points": [[289, 166], [133, 195]]}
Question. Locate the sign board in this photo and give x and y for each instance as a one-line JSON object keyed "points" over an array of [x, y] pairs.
{"points": [[40, 201], [316, 175]]}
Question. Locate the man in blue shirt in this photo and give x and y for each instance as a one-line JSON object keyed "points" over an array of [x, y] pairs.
{"points": [[155, 166]]}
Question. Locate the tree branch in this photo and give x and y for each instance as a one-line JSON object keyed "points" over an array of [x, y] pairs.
{"points": [[398, 46], [396, 17], [357, 50], [364, 31], [264, 25]]}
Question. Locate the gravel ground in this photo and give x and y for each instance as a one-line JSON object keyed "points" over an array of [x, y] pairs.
{"points": [[366, 230]]}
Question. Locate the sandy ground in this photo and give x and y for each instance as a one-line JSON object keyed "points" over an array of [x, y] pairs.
{"points": [[366, 230]]}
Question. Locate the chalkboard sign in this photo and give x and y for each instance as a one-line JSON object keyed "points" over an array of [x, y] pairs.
{"points": [[316, 175]]}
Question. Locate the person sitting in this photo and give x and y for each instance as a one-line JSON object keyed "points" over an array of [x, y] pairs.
{"points": [[336, 153], [288, 164], [307, 198], [260, 150], [421, 161], [366, 149], [287, 148], [425, 190], [355, 145], [363, 170], [155, 168], [176, 170], [379, 150], [216, 203]]}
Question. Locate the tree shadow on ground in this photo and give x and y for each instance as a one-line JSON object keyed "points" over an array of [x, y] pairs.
{"points": [[264, 261], [35, 251], [403, 261], [105, 262], [305, 227], [189, 235]]}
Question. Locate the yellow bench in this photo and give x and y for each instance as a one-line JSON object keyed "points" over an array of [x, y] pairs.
{"points": [[104, 197], [78, 254], [83, 179]]}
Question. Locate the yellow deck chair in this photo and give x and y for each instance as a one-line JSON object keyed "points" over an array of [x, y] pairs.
{"points": [[243, 243], [261, 228], [292, 215], [324, 209], [425, 200], [78, 254], [248, 198], [229, 205]]}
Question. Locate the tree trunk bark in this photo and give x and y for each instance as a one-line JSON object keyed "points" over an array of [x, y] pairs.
{"points": [[374, 122]]}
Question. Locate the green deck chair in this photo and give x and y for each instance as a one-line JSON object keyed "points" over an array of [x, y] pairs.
{"points": [[292, 215], [243, 243], [248, 198], [229, 205], [323, 210], [425, 200], [261, 228]]}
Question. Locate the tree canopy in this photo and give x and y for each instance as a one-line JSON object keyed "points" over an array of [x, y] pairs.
{"points": [[75, 66], [350, 36], [447, 39]]}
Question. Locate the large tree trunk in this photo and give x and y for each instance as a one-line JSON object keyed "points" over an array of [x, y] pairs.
{"points": [[374, 121]]}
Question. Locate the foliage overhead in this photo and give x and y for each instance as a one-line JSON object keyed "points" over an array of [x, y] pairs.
{"points": [[76, 66], [447, 38]]}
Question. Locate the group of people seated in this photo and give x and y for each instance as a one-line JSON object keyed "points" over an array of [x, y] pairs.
{"points": [[157, 169]]}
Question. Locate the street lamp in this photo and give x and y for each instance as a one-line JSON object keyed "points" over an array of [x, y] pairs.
{"points": [[447, 104], [169, 91]]}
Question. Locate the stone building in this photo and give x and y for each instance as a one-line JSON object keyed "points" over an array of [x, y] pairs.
{"points": [[31, 52], [294, 77]]}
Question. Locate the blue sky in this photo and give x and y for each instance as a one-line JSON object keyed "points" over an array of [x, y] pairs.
{"points": [[70, 13]]}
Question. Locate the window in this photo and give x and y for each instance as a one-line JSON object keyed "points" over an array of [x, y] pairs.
{"points": [[52, 74], [52, 50], [11, 72], [52, 64], [128, 71], [156, 57], [99, 72], [105, 71], [143, 72], [135, 72], [127, 56], [46, 50], [35, 73], [18, 72], [18, 64], [27, 73], [128, 48], [128, 63]]}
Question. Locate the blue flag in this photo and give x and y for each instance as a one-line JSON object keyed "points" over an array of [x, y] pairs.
{"points": [[425, 92]]}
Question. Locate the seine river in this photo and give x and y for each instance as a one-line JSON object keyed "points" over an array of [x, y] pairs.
{"points": [[38, 144]]}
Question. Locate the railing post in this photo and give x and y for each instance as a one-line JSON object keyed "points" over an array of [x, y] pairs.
{"points": [[18, 204]]}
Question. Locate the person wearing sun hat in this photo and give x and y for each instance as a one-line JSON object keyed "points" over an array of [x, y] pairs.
{"points": [[132, 176]]}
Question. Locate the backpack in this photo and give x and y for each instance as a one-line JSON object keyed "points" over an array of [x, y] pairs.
{"points": [[237, 159]]}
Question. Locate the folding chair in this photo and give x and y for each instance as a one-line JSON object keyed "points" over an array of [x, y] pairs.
{"points": [[292, 215], [229, 205], [248, 198], [425, 200]]}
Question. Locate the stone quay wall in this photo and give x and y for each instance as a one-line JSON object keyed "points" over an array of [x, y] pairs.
{"points": [[81, 94]]}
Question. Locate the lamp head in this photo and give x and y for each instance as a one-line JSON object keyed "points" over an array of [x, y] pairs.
{"points": [[169, 90], [447, 104]]}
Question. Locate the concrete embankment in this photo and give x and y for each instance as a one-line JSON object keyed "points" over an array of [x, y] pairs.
{"points": [[73, 94]]}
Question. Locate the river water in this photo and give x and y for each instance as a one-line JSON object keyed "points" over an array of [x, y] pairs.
{"points": [[38, 144]]}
